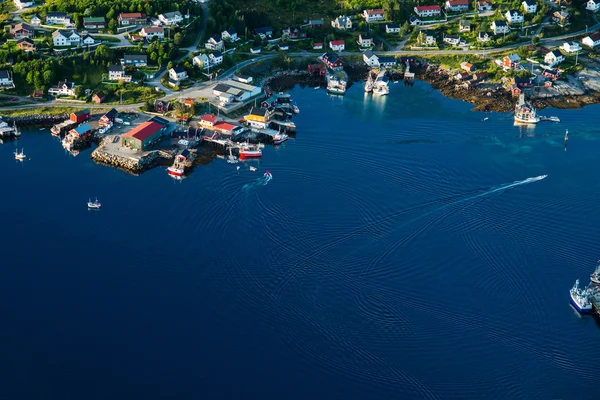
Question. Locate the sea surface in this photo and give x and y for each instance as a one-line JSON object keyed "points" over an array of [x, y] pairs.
{"points": [[399, 252]]}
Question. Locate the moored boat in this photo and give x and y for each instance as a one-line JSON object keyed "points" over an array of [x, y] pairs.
{"points": [[250, 151], [580, 298], [94, 205], [182, 161], [280, 138], [525, 113], [20, 156]]}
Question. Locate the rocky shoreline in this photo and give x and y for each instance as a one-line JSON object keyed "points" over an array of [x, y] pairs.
{"points": [[129, 164], [38, 119]]}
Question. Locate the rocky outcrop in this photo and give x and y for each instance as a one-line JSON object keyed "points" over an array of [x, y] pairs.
{"points": [[125, 163], [39, 119], [284, 80]]}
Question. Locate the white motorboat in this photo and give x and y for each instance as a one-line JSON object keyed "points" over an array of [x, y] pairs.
{"points": [[580, 298], [280, 138], [525, 113], [20, 156], [94, 205]]}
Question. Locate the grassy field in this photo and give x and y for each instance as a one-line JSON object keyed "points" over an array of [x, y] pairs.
{"points": [[109, 39]]}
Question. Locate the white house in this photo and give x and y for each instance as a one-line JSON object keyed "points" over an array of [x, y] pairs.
{"points": [[370, 59], [177, 74], [499, 27], [365, 40], [214, 43], [514, 17], [21, 4], [63, 88], [427, 38], [88, 40], [452, 40], [230, 35], [117, 73], [337, 45], [464, 25], [201, 60], [457, 5], [484, 36], [215, 58], [553, 58], [428, 11], [571, 47], [484, 6], [65, 38], [529, 6], [593, 5], [170, 18], [36, 19], [59, 18], [151, 32], [342, 23], [392, 28], [591, 41], [374, 15], [5, 79]]}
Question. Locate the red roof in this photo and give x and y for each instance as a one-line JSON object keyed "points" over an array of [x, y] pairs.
{"points": [[210, 118], [428, 8], [131, 15], [152, 29], [375, 12], [144, 131], [336, 42], [458, 2], [224, 126], [318, 44]]}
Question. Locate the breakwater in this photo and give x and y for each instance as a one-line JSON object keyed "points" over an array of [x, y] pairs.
{"points": [[39, 119], [135, 164]]}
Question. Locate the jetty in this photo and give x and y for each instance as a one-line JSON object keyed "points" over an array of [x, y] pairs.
{"points": [[62, 127]]}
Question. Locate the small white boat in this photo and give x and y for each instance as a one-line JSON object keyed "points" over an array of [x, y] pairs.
{"points": [[20, 156], [317, 87], [486, 118], [42, 129], [252, 169], [280, 138], [93, 205], [580, 298], [268, 174]]}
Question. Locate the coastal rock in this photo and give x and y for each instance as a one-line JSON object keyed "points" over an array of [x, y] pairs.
{"points": [[38, 119]]}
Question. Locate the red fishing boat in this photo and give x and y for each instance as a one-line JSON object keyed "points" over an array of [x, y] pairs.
{"points": [[250, 151]]}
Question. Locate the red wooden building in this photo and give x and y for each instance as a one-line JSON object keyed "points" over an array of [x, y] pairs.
{"points": [[80, 116]]}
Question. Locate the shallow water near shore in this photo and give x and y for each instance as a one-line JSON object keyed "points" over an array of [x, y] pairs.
{"points": [[399, 251]]}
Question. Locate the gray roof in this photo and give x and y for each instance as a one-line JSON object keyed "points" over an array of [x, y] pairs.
{"points": [[222, 87], [172, 14], [530, 2], [217, 54], [136, 57], [387, 60], [178, 69], [4, 74], [393, 26], [499, 23], [369, 54], [55, 14], [115, 68], [263, 30], [556, 53]]}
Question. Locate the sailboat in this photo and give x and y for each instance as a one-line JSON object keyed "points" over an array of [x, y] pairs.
{"points": [[20, 156]]}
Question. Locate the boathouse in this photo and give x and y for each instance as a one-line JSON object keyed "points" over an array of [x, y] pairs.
{"points": [[317, 69], [108, 118], [259, 117], [80, 116], [142, 137], [224, 127]]}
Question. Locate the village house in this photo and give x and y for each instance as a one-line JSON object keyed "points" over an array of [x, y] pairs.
{"points": [[414, 20], [215, 58], [242, 78], [529, 6], [125, 19], [457, 5], [117, 73], [21, 4], [593, 5], [342, 23], [484, 6], [500, 27], [467, 66], [427, 38], [135, 60], [80, 131], [462, 76], [373, 15], [337, 45], [428, 11], [392, 28], [551, 73], [6, 80], [80, 116], [65, 38], [365, 40], [58, 18], [38, 94], [201, 61], [170, 18], [259, 117], [480, 76], [318, 46], [484, 36], [63, 88], [371, 59], [22, 30], [151, 32], [561, 18], [464, 25], [511, 61], [554, 57], [332, 61], [26, 45], [36, 19], [108, 118], [317, 69], [315, 23], [388, 61], [452, 40], [230, 35], [294, 32], [514, 17], [522, 82], [264, 32], [94, 23], [226, 94], [142, 136], [592, 40], [214, 43], [99, 97], [178, 74], [571, 47], [208, 120]]}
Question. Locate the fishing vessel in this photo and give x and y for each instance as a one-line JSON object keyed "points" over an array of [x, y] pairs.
{"points": [[381, 84], [280, 138], [381, 90], [94, 205], [595, 277], [20, 156], [250, 151], [182, 161], [231, 159], [525, 113], [335, 84], [369, 84], [580, 298]]}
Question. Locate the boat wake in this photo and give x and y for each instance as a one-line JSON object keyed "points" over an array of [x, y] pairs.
{"points": [[262, 181]]}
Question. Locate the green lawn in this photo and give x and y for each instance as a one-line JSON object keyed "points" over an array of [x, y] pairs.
{"points": [[107, 39]]}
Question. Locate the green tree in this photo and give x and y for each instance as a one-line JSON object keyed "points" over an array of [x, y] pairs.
{"points": [[78, 91], [177, 39]]}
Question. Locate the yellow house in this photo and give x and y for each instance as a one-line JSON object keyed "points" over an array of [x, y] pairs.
{"points": [[258, 117]]}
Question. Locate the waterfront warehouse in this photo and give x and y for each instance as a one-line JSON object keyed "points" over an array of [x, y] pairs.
{"points": [[142, 136]]}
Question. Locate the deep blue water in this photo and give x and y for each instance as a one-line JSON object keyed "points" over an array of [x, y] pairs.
{"points": [[389, 257]]}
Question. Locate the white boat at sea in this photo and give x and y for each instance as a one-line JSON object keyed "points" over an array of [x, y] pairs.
{"points": [[20, 156], [380, 86], [280, 138], [580, 298], [525, 113], [94, 205], [369, 84]]}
